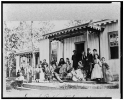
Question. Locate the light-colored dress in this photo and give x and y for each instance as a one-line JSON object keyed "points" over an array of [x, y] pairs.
{"points": [[37, 73], [42, 77], [97, 70], [29, 74], [63, 69], [77, 75], [107, 76]]}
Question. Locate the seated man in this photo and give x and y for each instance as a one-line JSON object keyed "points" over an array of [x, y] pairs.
{"points": [[20, 80]]}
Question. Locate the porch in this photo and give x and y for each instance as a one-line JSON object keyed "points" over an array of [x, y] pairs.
{"points": [[75, 38], [30, 57]]}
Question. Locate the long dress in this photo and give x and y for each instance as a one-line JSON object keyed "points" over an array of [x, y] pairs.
{"points": [[42, 76], [68, 68], [29, 74], [107, 76], [77, 75], [97, 70], [37, 73]]}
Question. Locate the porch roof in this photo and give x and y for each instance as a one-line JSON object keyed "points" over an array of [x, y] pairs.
{"points": [[27, 52], [104, 22], [80, 29], [73, 31]]}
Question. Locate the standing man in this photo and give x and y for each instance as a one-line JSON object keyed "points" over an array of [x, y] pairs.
{"points": [[75, 60], [89, 63]]}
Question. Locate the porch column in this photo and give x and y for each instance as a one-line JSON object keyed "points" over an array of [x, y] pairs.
{"points": [[19, 60], [60, 50], [50, 51], [33, 62], [98, 33], [63, 48], [33, 65], [87, 39], [17, 63]]}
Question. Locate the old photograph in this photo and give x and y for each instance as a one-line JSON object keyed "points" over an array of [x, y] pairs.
{"points": [[61, 50]]}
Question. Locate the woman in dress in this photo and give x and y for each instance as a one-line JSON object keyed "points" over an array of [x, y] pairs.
{"points": [[82, 64], [45, 69], [77, 75], [61, 68], [37, 74], [53, 66], [41, 73], [97, 70], [68, 65], [29, 73], [107, 76]]}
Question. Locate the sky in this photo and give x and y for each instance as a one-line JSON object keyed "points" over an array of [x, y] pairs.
{"points": [[75, 11], [58, 14]]}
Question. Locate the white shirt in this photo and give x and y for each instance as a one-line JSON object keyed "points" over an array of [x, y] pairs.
{"points": [[20, 78]]}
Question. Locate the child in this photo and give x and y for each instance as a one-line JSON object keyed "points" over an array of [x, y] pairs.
{"points": [[107, 77], [97, 70]]}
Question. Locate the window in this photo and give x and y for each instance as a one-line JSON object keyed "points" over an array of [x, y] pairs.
{"points": [[113, 44], [54, 47]]}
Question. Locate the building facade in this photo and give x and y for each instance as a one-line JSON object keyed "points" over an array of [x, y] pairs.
{"points": [[102, 35]]}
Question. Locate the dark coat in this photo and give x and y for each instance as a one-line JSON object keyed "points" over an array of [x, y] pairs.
{"points": [[83, 60], [89, 58], [75, 61]]}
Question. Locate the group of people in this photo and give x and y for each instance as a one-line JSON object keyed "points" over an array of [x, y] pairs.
{"points": [[41, 71], [24, 73], [82, 68], [93, 67]]}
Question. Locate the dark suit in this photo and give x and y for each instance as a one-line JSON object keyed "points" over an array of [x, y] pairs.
{"points": [[75, 61], [89, 64], [83, 60]]}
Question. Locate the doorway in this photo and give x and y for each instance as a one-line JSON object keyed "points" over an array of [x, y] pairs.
{"points": [[79, 48]]}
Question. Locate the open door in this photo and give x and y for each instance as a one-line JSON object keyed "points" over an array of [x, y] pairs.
{"points": [[79, 48]]}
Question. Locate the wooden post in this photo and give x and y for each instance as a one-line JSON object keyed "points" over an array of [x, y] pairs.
{"points": [[62, 41], [99, 44], [19, 60], [34, 60], [87, 39], [63, 48], [50, 51], [17, 63], [33, 65]]}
